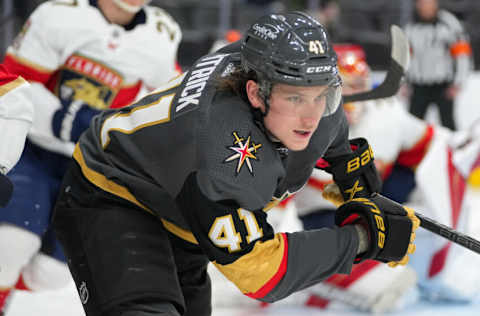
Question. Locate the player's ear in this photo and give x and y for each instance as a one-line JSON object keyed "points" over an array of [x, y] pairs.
{"points": [[253, 96]]}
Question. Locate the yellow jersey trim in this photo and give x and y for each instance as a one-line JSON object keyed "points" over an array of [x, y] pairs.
{"points": [[255, 269], [102, 182], [4, 89]]}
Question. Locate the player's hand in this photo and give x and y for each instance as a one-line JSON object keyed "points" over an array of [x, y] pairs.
{"points": [[355, 173], [6, 189], [452, 91], [72, 119], [390, 226], [331, 192]]}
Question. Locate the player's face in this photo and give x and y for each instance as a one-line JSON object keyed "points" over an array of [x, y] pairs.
{"points": [[295, 112], [131, 6], [427, 9], [138, 3]]}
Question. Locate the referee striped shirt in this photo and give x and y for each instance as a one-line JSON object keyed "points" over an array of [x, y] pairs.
{"points": [[440, 50]]}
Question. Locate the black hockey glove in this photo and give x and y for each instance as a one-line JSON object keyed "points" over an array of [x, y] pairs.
{"points": [[355, 174], [6, 189], [390, 227]]}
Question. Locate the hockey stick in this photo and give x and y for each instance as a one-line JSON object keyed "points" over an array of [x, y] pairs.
{"points": [[400, 59], [449, 233], [335, 197]]}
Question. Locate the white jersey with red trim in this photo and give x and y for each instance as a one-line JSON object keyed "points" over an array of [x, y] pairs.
{"points": [[16, 114], [448, 271], [394, 135], [444, 271], [70, 52]]}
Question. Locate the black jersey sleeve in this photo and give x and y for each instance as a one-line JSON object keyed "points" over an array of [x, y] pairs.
{"points": [[239, 242], [263, 264]]}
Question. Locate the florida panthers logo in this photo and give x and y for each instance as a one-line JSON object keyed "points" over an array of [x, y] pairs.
{"points": [[245, 150], [88, 81]]}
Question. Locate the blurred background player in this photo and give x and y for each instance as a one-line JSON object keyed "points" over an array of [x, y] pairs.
{"points": [[440, 60], [443, 187], [81, 57], [445, 190], [16, 115]]}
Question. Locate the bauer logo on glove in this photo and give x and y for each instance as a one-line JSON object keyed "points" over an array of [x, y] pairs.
{"points": [[355, 173], [359, 161], [390, 226]]}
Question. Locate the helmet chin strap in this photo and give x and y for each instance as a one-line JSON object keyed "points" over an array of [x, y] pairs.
{"points": [[128, 7]]}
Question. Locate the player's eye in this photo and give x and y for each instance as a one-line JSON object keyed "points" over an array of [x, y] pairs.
{"points": [[294, 99]]}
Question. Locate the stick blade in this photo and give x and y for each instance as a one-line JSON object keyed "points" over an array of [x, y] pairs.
{"points": [[399, 62], [400, 47]]}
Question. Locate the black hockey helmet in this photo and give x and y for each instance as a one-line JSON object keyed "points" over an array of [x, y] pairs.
{"points": [[292, 48]]}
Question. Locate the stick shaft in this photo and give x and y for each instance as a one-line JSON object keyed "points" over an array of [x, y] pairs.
{"points": [[449, 233]]}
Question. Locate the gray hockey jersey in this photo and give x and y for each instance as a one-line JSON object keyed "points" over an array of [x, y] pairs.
{"points": [[194, 156]]}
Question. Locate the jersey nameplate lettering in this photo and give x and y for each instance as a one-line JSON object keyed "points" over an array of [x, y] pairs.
{"points": [[198, 80]]}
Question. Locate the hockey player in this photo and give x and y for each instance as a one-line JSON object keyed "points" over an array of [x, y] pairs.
{"points": [[405, 144], [16, 114], [183, 177], [81, 57], [446, 271]]}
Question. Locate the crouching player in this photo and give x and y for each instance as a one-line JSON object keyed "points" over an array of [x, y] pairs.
{"points": [[396, 138], [184, 177]]}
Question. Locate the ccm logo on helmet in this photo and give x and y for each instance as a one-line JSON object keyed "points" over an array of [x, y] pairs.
{"points": [[326, 68]]}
